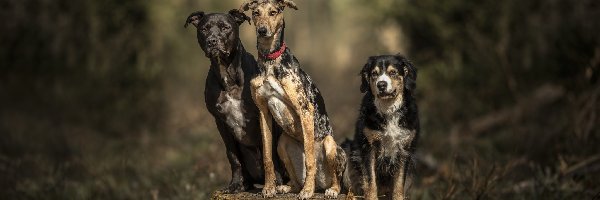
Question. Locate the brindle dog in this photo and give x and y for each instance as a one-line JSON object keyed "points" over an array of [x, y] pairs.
{"points": [[284, 92], [387, 130], [227, 95]]}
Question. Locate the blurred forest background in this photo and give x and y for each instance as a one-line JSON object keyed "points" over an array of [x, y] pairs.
{"points": [[104, 99]]}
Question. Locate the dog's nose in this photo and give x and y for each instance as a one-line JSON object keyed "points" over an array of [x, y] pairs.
{"points": [[262, 31], [212, 42], [381, 85]]}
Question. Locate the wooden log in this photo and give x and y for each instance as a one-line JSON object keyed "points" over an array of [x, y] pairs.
{"points": [[255, 194]]}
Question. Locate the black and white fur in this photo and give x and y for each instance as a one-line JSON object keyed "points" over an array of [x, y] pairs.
{"points": [[227, 96], [387, 130]]}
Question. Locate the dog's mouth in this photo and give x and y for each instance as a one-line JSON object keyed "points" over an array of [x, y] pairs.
{"points": [[387, 95], [217, 52], [264, 35]]}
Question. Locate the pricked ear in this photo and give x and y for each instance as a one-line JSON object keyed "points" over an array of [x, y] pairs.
{"points": [[364, 76], [239, 16], [194, 19], [247, 5], [287, 3]]}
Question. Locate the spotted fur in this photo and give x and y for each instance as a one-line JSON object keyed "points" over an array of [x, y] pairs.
{"points": [[285, 94]]}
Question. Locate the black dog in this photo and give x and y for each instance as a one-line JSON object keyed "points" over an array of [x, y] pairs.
{"points": [[381, 158], [227, 95]]}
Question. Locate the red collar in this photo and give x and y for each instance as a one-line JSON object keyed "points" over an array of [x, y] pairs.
{"points": [[276, 54]]}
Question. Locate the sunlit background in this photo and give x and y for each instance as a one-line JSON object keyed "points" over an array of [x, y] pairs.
{"points": [[104, 99]]}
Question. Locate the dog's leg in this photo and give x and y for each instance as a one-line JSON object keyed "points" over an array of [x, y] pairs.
{"points": [[305, 110], [400, 180], [278, 164], [332, 166], [309, 153], [371, 187], [237, 183], [289, 151], [269, 189]]}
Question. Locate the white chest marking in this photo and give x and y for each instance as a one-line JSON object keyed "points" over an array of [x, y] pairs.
{"points": [[234, 114], [271, 88], [388, 107], [394, 139]]}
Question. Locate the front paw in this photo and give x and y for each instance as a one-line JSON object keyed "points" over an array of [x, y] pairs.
{"points": [[283, 189], [269, 191], [332, 193], [306, 193], [234, 188]]}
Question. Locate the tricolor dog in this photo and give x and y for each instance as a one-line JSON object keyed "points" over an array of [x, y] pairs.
{"points": [[284, 92], [382, 153]]}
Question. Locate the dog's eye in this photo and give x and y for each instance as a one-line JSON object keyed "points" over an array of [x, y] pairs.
{"points": [[374, 73], [205, 29], [273, 13], [225, 27], [393, 73], [255, 13]]}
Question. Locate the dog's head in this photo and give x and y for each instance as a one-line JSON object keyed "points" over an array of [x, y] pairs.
{"points": [[388, 76], [217, 33], [267, 15]]}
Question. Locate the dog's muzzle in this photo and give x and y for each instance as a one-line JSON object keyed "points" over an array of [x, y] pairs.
{"points": [[262, 31], [383, 90], [384, 87], [215, 48]]}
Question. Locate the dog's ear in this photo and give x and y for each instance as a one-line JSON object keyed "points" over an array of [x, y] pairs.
{"points": [[287, 3], [194, 19], [239, 17], [247, 5], [410, 73], [364, 76]]}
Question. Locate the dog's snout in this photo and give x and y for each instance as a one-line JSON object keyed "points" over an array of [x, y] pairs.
{"points": [[262, 31], [212, 42], [381, 85]]}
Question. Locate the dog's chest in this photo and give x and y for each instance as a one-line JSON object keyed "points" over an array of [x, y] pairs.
{"points": [[267, 85], [230, 105], [393, 139]]}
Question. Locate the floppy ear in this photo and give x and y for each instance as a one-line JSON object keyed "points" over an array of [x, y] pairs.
{"points": [[364, 76], [410, 73], [288, 3], [247, 5], [194, 19], [239, 17]]}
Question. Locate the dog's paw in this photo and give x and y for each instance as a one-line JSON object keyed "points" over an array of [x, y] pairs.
{"points": [[332, 193], [269, 191], [306, 193], [283, 189]]}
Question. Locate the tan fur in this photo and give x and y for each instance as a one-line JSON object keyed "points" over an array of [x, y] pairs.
{"points": [[371, 187], [330, 154], [269, 188], [307, 121], [294, 112], [372, 135], [398, 191], [282, 147], [397, 81]]}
